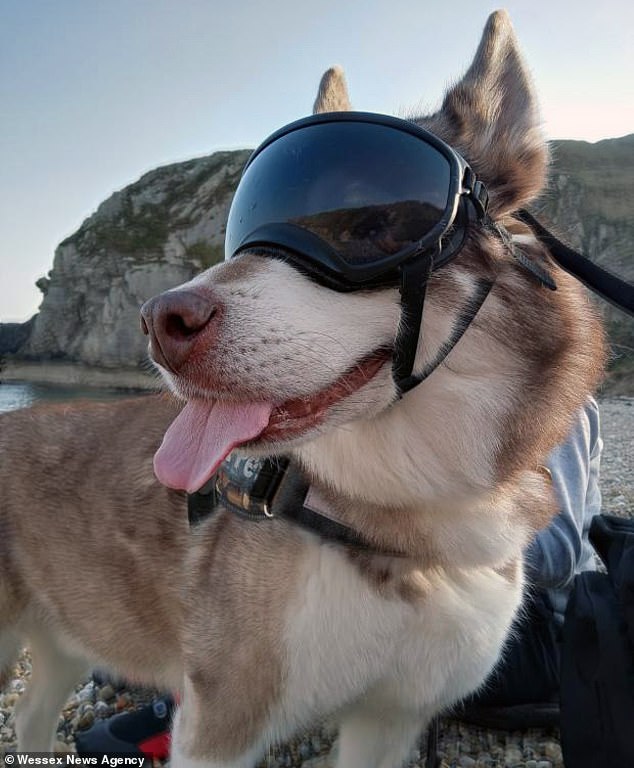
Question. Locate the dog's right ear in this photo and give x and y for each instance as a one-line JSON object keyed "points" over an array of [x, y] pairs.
{"points": [[333, 92], [491, 117]]}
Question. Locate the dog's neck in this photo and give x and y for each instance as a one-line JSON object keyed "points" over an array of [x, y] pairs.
{"points": [[426, 480], [413, 452], [485, 529]]}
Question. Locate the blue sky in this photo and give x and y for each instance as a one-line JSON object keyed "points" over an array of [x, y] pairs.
{"points": [[93, 93]]}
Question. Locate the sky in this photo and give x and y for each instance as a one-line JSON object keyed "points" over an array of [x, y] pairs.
{"points": [[93, 93]]}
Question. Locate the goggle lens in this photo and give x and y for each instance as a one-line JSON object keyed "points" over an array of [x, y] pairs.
{"points": [[365, 189]]}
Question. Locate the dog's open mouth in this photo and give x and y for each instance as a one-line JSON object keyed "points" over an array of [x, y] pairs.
{"points": [[293, 417], [206, 431]]}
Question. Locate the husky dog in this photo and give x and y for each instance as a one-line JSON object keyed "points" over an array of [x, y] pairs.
{"points": [[266, 628]]}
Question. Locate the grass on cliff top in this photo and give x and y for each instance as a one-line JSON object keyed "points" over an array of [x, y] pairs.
{"points": [[606, 171], [204, 254], [142, 233]]}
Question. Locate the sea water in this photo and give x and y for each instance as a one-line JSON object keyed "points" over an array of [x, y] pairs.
{"points": [[21, 394]]}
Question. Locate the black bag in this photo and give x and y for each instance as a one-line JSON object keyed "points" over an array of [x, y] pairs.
{"points": [[597, 664]]}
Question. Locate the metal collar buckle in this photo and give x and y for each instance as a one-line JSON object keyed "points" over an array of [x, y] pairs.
{"points": [[248, 485]]}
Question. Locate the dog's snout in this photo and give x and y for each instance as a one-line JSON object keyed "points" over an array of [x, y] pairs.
{"points": [[175, 321]]}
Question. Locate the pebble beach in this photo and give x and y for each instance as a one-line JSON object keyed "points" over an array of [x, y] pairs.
{"points": [[460, 746]]}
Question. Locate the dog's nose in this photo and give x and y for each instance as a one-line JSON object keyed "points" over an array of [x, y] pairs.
{"points": [[175, 321]]}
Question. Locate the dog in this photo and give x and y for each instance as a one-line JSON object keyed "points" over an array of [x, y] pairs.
{"points": [[265, 628]]}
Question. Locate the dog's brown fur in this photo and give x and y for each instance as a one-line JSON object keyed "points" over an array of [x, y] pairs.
{"points": [[264, 628], [116, 520]]}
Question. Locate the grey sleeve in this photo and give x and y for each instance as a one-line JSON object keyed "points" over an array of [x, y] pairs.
{"points": [[562, 549]]}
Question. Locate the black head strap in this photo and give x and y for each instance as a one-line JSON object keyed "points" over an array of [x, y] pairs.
{"points": [[530, 265], [463, 321], [414, 277], [606, 284]]}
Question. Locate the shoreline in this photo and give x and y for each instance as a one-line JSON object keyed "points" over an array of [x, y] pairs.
{"points": [[71, 374], [77, 374]]}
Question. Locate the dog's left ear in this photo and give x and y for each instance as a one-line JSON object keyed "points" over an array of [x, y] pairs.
{"points": [[491, 117], [333, 92]]}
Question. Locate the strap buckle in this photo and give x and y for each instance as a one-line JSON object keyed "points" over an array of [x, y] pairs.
{"points": [[477, 192], [248, 485]]}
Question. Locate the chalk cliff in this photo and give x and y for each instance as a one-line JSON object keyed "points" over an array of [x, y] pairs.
{"points": [[590, 201], [152, 235]]}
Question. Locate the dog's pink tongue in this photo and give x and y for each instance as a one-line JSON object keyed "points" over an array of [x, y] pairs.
{"points": [[201, 436]]}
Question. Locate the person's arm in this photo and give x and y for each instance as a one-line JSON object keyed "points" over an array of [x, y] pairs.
{"points": [[553, 557]]}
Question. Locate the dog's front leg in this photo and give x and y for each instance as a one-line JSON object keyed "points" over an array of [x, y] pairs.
{"points": [[55, 673], [213, 733], [376, 734], [236, 603]]}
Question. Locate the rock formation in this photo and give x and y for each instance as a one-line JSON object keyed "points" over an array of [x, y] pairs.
{"points": [[152, 235]]}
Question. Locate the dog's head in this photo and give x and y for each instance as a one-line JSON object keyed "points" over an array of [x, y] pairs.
{"points": [[271, 360]]}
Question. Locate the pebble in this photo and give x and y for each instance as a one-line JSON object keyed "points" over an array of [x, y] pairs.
{"points": [[552, 751], [102, 709], [513, 755], [122, 702], [106, 693], [73, 701], [87, 693], [318, 762]]}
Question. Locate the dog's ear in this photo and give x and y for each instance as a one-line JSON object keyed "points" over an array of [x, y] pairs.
{"points": [[333, 92], [491, 117]]}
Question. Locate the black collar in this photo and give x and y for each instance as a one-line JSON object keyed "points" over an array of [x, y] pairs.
{"points": [[264, 489]]}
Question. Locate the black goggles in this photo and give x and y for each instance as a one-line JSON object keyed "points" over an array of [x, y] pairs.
{"points": [[350, 197]]}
